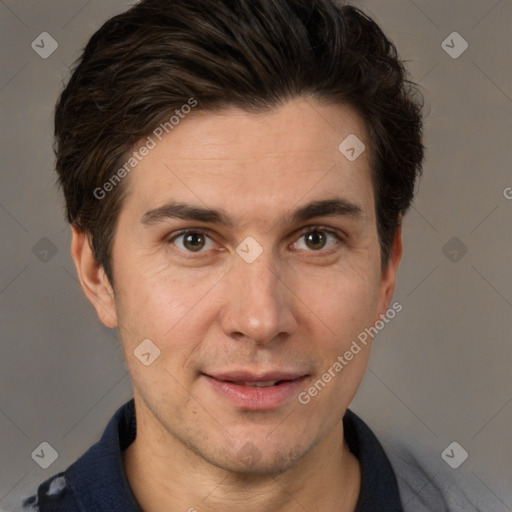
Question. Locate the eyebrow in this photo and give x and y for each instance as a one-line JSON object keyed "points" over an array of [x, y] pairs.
{"points": [[335, 207]]}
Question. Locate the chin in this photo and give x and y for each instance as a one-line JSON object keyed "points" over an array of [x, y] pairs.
{"points": [[254, 460]]}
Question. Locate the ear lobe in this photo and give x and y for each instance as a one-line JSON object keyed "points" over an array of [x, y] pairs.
{"points": [[93, 279], [389, 273]]}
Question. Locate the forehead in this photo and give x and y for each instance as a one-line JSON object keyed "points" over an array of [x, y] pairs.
{"points": [[256, 161]]}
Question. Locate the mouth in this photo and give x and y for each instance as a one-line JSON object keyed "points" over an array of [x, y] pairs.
{"points": [[263, 384], [251, 391]]}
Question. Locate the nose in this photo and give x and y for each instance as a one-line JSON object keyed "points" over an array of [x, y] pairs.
{"points": [[259, 307]]}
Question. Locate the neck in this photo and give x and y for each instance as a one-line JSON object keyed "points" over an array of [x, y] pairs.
{"points": [[165, 475]]}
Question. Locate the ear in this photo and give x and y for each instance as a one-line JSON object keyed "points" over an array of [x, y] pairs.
{"points": [[389, 273], [93, 279]]}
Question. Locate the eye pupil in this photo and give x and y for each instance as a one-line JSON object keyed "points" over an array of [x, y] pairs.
{"points": [[315, 240], [193, 241]]}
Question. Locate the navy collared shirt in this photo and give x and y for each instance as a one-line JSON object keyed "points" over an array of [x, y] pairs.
{"points": [[97, 482]]}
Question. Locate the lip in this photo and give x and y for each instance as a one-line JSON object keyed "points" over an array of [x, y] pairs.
{"points": [[245, 376], [230, 386]]}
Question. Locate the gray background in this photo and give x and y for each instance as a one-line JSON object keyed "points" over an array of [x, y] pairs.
{"points": [[439, 372]]}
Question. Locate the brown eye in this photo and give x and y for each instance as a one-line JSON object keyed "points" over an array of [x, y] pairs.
{"points": [[315, 240], [192, 241]]}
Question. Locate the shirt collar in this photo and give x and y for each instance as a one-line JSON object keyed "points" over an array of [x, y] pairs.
{"points": [[101, 468], [379, 486]]}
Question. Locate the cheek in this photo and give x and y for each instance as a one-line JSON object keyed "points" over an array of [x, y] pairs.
{"points": [[343, 350], [345, 301], [173, 312], [153, 300]]}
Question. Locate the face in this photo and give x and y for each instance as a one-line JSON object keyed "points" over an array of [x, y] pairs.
{"points": [[247, 252]]}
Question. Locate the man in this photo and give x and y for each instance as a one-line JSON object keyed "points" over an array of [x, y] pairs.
{"points": [[235, 175]]}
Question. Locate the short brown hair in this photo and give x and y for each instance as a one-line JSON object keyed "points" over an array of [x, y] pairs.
{"points": [[144, 64]]}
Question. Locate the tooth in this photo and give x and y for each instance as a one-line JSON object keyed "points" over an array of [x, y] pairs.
{"points": [[266, 384]]}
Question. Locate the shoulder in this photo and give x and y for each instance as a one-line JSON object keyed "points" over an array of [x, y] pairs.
{"points": [[428, 484], [96, 480], [425, 482], [52, 494]]}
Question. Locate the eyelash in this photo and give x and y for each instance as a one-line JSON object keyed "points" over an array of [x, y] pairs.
{"points": [[310, 229]]}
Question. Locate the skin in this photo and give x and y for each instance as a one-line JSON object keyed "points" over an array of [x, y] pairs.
{"points": [[298, 306]]}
